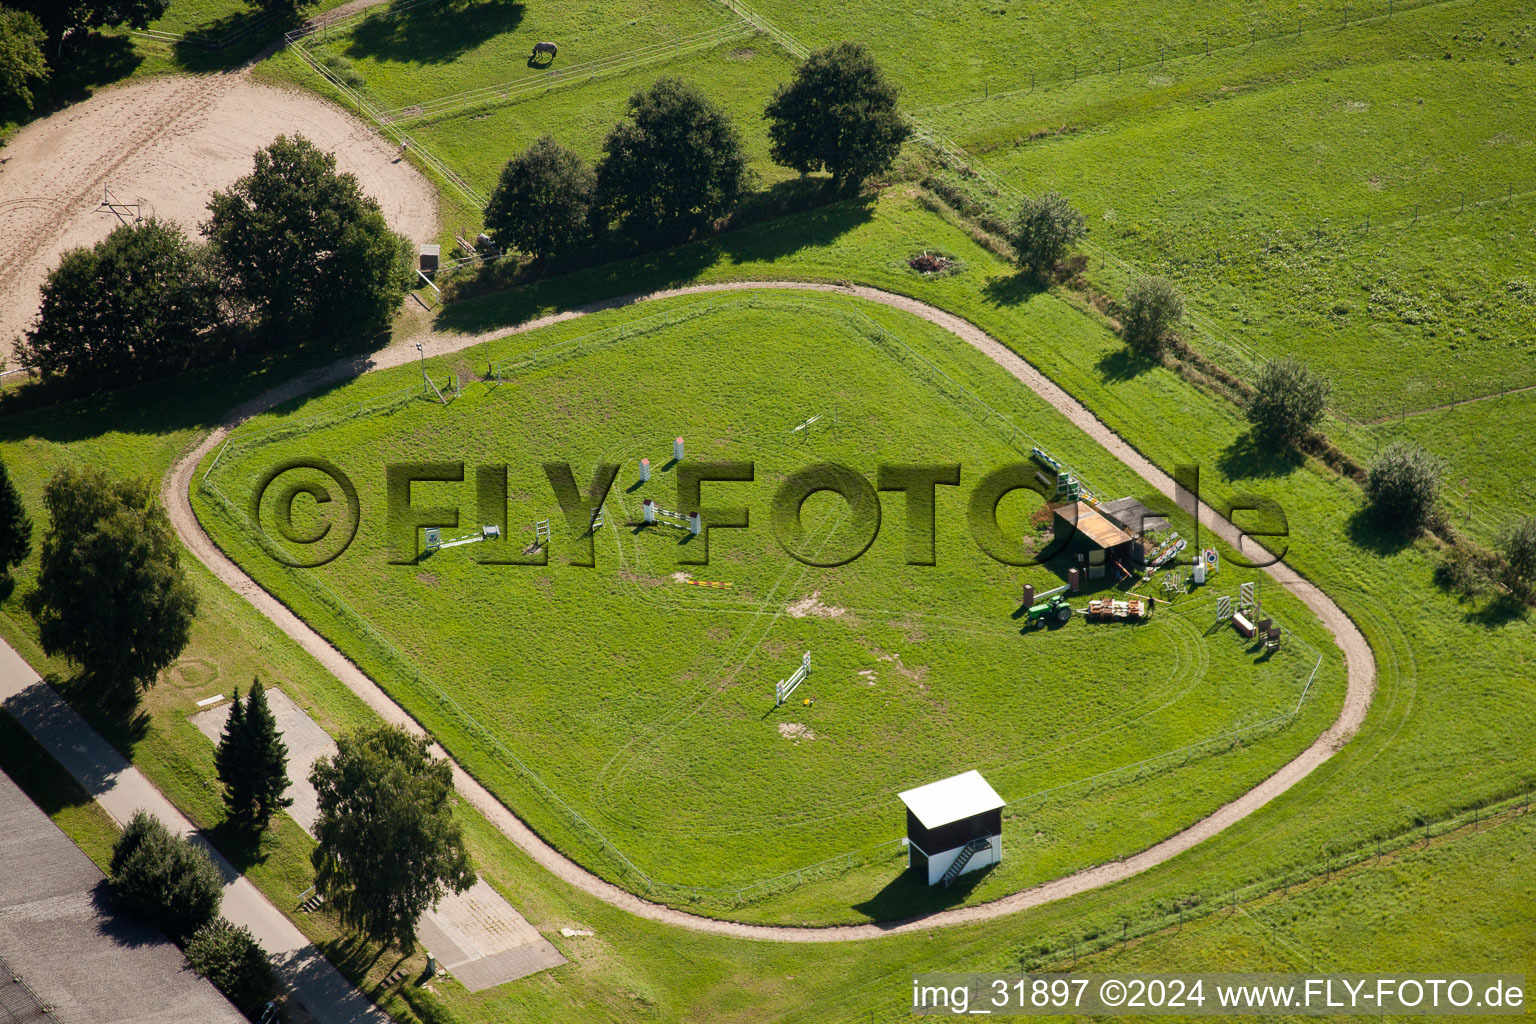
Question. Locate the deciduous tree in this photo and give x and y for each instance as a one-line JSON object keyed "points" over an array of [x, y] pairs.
{"points": [[132, 307], [1288, 400], [542, 202], [111, 593], [837, 114], [1518, 546], [1402, 486], [1044, 229], [673, 167], [388, 847], [166, 880], [1152, 306], [231, 958], [59, 16], [305, 247], [21, 56]]}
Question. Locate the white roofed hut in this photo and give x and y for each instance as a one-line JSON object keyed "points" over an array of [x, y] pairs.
{"points": [[954, 826]]}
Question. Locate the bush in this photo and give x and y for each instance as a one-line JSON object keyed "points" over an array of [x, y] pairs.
{"points": [[541, 204], [1466, 569], [673, 167], [164, 879], [1152, 306], [133, 307], [305, 247], [230, 957], [1288, 400], [1518, 546], [1402, 486], [838, 114], [1044, 229]]}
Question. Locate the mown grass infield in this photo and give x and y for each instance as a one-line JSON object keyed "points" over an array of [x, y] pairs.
{"points": [[631, 704]]}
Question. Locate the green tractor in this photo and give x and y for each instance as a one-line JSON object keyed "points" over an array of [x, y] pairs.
{"points": [[1056, 608]]}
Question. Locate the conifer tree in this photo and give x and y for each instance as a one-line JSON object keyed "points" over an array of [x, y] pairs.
{"points": [[15, 526], [268, 757], [232, 760]]}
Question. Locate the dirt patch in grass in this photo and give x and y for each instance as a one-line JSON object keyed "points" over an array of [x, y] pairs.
{"points": [[812, 606]]}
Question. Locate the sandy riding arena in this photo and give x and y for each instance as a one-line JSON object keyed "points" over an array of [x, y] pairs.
{"points": [[168, 143]]}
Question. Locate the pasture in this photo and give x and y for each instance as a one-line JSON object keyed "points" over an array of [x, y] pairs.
{"points": [[462, 81], [740, 73], [1371, 221], [620, 701]]}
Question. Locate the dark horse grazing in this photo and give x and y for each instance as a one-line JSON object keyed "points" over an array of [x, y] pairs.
{"points": [[543, 48]]}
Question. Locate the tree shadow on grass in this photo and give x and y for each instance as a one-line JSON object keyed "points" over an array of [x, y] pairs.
{"points": [[1500, 611], [1013, 289], [611, 285], [194, 53], [789, 217], [242, 844], [353, 955], [200, 398], [1124, 363], [1249, 458], [1368, 535], [434, 33]]}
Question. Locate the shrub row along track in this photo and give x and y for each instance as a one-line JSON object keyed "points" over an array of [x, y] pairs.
{"points": [[1360, 663]]}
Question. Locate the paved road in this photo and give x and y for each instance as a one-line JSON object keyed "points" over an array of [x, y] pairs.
{"points": [[1360, 663], [122, 789]]}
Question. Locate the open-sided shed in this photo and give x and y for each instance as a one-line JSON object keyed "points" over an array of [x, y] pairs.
{"points": [[954, 826], [1091, 537]]}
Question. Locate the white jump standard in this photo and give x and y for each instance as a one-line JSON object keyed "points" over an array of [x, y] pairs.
{"points": [[954, 826], [784, 687]]}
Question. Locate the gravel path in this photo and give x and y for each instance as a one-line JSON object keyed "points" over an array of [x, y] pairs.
{"points": [[1358, 659]]}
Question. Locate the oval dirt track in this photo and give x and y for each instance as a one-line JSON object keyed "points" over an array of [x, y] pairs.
{"points": [[1359, 661], [169, 143]]}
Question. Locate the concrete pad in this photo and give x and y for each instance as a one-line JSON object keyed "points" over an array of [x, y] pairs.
{"points": [[306, 743], [476, 935]]}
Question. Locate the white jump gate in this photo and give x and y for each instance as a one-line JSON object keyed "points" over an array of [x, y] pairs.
{"points": [[655, 515], [784, 687]]}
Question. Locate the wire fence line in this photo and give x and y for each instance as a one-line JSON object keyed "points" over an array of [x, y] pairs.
{"points": [[402, 667], [295, 41], [1335, 856], [575, 74], [210, 44]]}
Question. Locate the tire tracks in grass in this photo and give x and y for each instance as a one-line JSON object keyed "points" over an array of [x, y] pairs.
{"points": [[1359, 660]]}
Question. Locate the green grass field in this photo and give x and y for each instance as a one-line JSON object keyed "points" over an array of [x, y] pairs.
{"points": [[422, 53], [647, 705], [1371, 217], [1446, 730], [740, 73], [1247, 175], [945, 50]]}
